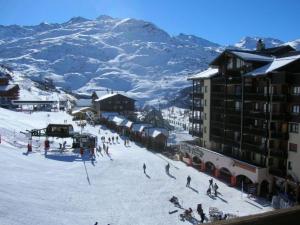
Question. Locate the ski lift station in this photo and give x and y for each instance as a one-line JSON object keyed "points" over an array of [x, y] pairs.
{"points": [[84, 140]]}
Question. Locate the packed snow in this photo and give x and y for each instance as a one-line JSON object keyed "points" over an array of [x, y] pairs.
{"points": [[63, 188]]}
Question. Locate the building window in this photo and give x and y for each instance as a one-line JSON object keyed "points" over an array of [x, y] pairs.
{"points": [[292, 147], [296, 91], [205, 102], [296, 109], [230, 63], [290, 165], [237, 106], [204, 129], [294, 128], [205, 116], [205, 89]]}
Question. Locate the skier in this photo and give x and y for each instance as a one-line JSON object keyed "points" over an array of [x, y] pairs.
{"points": [[113, 139], [99, 149], [208, 192], [211, 182], [29, 148], [81, 152], [188, 181], [125, 142], [216, 189], [144, 168], [200, 212], [64, 145], [168, 168], [109, 140], [104, 147], [117, 139]]}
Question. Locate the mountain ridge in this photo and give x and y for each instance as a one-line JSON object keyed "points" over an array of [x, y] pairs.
{"points": [[125, 54]]}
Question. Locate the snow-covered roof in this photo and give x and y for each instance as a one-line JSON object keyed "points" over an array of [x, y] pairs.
{"points": [[276, 64], [7, 87], [118, 120], [139, 127], [105, 97], [106, 115], [252, 57], [154, 132], [83, 109], [205, 74], [128, 123], [84, 102]]}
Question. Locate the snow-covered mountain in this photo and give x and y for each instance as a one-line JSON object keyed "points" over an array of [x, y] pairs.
{"points": [[295, 44], [124, 54], [250, 42]]}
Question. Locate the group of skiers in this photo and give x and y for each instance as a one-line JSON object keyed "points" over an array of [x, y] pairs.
{"points": [[110, 140], [213, 187], [188, 212]]}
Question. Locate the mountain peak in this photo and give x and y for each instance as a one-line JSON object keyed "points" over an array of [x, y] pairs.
{"points": [[77, 19], [250, 42], [104, 17]]}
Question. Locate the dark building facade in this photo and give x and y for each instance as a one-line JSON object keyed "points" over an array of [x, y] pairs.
{"points": [[253, 100]]}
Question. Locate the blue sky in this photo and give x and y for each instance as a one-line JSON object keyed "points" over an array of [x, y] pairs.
{"points": [[221, 21]]}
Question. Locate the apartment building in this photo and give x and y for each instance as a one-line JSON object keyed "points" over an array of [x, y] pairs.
{"points": [[246, 113]]}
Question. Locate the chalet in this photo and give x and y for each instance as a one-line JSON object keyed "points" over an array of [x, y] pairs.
{"points": [[8, 92], [156, 138], [138, 131], [114, 102]]}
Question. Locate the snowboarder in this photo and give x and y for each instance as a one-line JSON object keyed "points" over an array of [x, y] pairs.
{"points": [[200, 212], [188, 181], [168, 168], [144, 168], [216, 189]]}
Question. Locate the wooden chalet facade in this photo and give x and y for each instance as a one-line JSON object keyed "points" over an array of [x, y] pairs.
{"points": [[8, 92], [114, 102]]}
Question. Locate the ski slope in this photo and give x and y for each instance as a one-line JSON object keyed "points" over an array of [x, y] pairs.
{"points": [[65, 189]]}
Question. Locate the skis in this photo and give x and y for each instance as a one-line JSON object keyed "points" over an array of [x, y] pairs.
{"points": [[174, 211]]}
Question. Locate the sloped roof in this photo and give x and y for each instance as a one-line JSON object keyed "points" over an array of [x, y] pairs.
{"points": [[276, 64], [154, 132], [246, 55], [81, 110], [252, 57], [118, 120], [105, 97], [106, 115], [205, 74], [4, 88], [139, 127], [82, 102]]}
